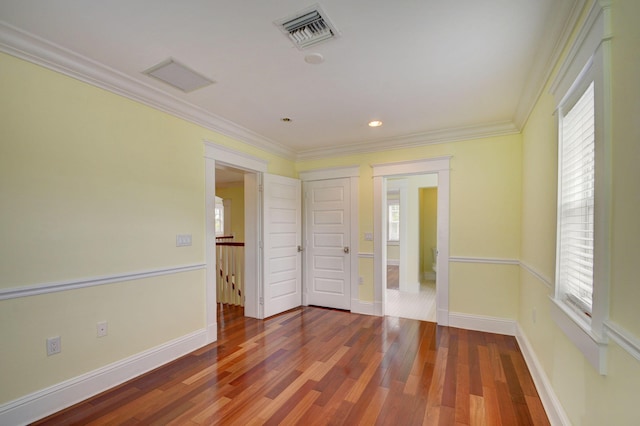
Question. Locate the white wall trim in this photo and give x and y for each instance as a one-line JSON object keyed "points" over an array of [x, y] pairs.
{"points": [[363, 308], [42, 52], [330, 173], [33, 290], [623, 338], [412, 167], [544, 279], [363, 255], [488, 260], [393, 262], [553, 407], [413, 140], [237, 159], [482, 323], [59, 396]]}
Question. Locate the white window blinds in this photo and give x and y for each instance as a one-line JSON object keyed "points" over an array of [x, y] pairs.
{"points": [[576, 218]]}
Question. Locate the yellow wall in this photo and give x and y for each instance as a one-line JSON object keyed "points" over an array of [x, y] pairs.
{"points": [[93, 184], [484, 212], [236, 195], [587, 397], [428, 227]]}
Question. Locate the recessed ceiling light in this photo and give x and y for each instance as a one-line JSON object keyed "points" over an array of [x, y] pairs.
{"points": [[375, 123]]}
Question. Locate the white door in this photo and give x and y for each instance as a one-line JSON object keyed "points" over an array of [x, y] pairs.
{"points": [[282, 228], [327, 251]]}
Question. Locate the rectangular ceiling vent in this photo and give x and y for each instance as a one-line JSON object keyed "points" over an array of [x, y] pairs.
{"points": [[308, 28]]}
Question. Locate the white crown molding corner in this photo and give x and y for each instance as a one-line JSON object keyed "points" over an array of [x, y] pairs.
{"points": [[545, 61], [412, 141], [34, 49], [482, 323], [57, 397], [552, 406], [33, 290]]}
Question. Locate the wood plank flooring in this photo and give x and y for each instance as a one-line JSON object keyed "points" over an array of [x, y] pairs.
{"points": [[317, 366]]}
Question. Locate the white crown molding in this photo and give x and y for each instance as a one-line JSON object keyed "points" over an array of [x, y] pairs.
{"points": [[412, 141], [545, 61], [54, 398], [34, 49], [33, 290]]}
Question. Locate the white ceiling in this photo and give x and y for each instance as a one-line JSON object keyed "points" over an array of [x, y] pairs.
{"points": [[426, 68]]}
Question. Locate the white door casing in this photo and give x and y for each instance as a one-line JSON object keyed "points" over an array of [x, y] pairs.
{"points": [[282, 236], [328, 243]]}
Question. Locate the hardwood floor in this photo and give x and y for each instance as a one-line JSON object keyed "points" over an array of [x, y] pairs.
{"points": [[321, 366]]}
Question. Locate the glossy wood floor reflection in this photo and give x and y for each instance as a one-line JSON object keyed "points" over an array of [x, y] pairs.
{"points": [[319, 366]]}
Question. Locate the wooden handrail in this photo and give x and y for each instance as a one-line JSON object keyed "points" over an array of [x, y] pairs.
{"points": [[230, 243]]}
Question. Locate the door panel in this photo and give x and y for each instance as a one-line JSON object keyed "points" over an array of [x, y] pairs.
{"points": [[282, 229], [327, 254]]}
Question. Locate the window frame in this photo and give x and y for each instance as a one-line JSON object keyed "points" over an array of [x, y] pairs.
{"points": [[588, 60]]}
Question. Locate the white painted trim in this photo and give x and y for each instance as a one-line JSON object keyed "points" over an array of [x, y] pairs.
{"points": [[551, 403], [429, 276], [42, 52], [237, 159], [592, 346], [57, 397], [623, 338], [412, 167], [365, 255], [487, 260], [393, 262], [360, 307], [355, 232], [411, 141], [482, 323], [544, 279], [33, 290], [330, 173]]}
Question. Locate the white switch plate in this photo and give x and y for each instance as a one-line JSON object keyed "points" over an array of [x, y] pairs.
{"points": [[102, 328], [368, 236], [54, 345], [183, 240]]}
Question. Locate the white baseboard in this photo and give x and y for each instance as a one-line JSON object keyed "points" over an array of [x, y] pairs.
{"points": [[54, 398], [360, 307], [429, 276], [482, 323], [552, 406]]}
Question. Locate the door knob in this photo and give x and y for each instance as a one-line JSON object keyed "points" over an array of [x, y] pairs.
{"points": [[346, 249], [299, 249]]}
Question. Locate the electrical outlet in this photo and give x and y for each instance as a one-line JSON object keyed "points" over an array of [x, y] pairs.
{"points": [[183, 240], [360, 280], [54, 345], [102, 329]]}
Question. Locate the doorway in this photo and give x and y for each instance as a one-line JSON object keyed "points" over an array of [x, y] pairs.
{"points": [[411, 240], [441, 167]]}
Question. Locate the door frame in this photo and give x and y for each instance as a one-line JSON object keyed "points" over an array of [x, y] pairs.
{"points": [[440, 166], [218, 154], [353, 173]]}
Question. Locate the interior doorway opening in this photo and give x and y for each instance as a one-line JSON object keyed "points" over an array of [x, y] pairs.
{"points": [[411, 241]]}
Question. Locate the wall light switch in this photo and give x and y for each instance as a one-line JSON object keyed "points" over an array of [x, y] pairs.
{"points": [[368, 236], [183, 240]]}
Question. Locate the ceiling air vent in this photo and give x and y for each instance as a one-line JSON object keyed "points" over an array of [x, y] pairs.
{"points": [[308, 27]]}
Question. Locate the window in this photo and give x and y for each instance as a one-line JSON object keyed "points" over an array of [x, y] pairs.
{"points": [[582, 92], [576, 182], [219, 216], [393, 232]]}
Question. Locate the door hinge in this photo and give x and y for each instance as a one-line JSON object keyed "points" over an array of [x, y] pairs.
{"points": [[260, 188], [262, 300], [260, 244]]}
